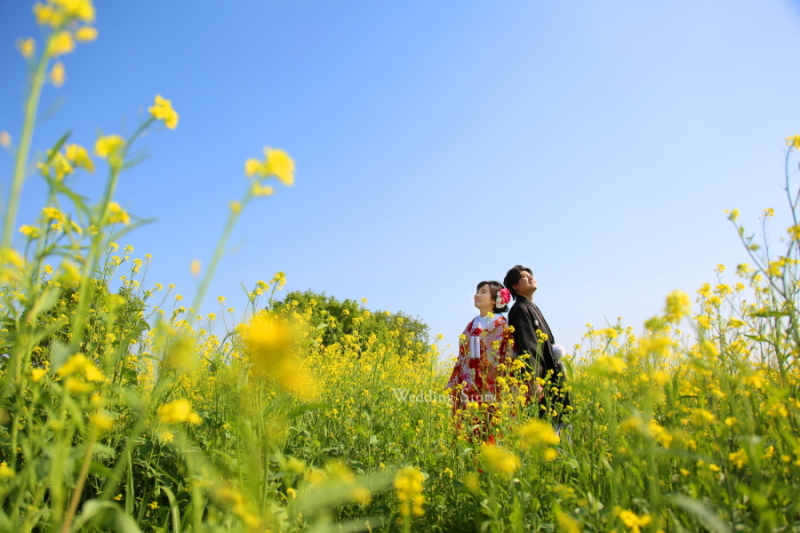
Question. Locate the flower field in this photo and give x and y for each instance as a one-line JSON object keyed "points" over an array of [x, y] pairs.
{"points": [[121, 409]]}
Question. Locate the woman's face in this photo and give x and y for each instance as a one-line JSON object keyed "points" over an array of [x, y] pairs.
{"points": [[483, 300]]}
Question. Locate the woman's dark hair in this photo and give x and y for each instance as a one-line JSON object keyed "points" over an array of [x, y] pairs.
{"points": [[494, 286], [513, 276]]}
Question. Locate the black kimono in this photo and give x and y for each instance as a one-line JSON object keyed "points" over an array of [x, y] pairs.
{"points": [[526, 319]]}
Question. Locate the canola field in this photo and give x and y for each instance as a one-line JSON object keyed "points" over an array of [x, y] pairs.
{"points": [[123, 410]]}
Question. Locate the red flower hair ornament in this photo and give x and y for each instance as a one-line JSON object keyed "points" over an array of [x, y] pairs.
{"points": [[503, 297]]}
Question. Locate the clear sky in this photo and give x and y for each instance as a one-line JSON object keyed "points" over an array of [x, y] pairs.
{"points": [[439, 143]]}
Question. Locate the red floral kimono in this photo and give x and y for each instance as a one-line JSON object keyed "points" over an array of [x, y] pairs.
{"points": [[484, 344]]}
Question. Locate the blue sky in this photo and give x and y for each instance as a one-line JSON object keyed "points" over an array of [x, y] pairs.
{"points": [[439, 143]]}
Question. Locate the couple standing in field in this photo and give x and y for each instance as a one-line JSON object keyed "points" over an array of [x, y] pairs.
{"points": [[507, 357]]}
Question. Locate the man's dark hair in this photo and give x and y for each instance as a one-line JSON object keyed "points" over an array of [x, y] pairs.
{"points": [[494, 286], [513, 276]]}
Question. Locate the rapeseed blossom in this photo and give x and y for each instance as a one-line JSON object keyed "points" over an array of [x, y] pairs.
{"points": [[58, 74], [85, 34], [178, 411], [79, 156], [162, 110], [503, 461], [58, 12], [276, 163], [110, 147], [26, 47], [61, 44], [408, 488], [78, 364], [117, 215], [634, 522], [678, 306], [537, 433]]}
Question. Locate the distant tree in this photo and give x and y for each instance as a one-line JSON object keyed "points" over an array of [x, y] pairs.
{"points": [[337, 319]]}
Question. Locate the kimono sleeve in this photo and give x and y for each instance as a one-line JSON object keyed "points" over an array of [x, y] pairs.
{"points": [[525, 341]]}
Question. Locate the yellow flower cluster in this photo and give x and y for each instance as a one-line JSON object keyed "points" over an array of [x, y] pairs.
{"points": [[632, 521], [62, 16], [678, 306], [79, 371], [178, 411], [537, 433], [271, 341], [500, 460], [117, 215], [408, 488], [162, 110], [276, 163]]}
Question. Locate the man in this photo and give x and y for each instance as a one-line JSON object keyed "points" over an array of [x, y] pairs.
{"points": [[534, 341]]}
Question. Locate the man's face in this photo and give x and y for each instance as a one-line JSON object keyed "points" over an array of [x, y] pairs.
{"points": [[526, 284]]}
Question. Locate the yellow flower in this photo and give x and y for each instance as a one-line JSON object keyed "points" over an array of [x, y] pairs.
{"points": [[5, 471], [178, 411], [117, 215], [26, 47], [61, 44], [101, 421], [503, 461], [633, 521], [79, 156], [550, 454], [279, 164], [58, 12], [678, 306], [194, 268], [262, 190], [109, 147], [76, 386], [75, 364], [408, 488], [48, 15], [30, 231], [235, 206], [58, 74], [537, 433], [739, 458], [162, 110], [86, 34], [793, 141], [252, 167], [38, 373], [566, 523], [81, 9]]}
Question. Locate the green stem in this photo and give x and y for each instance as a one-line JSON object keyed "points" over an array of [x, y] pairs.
{"points": [[76, 494], [21, 161], [99, 241], [233, 216]]}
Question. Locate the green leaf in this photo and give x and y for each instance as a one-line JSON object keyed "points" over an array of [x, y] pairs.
{"points": [[59, 353], [109, 514], [700, 511], [99, 470], [173, 509]]}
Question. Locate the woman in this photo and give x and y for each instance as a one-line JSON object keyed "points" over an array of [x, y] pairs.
{"points": [[483, 345]]}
